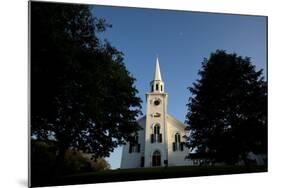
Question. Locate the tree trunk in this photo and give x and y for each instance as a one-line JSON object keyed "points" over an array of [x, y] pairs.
{"points": [[60, 160]]}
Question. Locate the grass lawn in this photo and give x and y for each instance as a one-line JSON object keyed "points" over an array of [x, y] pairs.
{"points": [[146, 174]]}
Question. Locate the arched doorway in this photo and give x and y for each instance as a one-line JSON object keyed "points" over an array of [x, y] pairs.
{"points": [[156, 158]]}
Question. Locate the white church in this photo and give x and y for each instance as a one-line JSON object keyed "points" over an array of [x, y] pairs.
{"points": [[161, 141]]}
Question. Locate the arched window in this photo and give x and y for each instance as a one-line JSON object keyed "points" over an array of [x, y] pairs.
{"points": [[156, 87], [156, 136], [156, 158], [136, 138], [157, 129], [178, 145], [134, 145], [177, 138], [151, 88], [161, 87]]}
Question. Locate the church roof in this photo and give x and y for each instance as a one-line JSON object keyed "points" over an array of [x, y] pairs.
{"points": [[157, 75], [141, 118], [176, 122]]}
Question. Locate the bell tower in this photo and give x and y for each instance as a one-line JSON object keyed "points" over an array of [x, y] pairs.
{"points": [[156, 153]]}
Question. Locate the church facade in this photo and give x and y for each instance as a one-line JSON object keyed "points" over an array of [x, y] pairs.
{"points": [[160, 142]]}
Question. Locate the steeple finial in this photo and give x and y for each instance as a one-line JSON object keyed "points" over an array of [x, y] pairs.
{"points": [[157, 75]]}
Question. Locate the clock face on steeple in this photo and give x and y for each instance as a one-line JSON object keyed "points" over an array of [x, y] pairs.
{"points": [[156, 102]]}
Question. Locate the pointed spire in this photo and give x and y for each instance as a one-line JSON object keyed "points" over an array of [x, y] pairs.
{"points": [[157, 75]]}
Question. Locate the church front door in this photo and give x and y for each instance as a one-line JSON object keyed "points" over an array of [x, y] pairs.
{"points": [[156, 158]]}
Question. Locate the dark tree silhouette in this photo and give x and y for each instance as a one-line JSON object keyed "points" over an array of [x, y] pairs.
{"points": [[82, 95], [227, 113]]}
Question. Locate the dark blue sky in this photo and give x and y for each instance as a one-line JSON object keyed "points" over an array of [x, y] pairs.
{"points": [[181, 40]]}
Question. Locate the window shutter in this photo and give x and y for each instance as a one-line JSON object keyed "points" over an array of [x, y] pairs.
{"points": [[142, 161], [174, 146], [130, 148], [138, 148], [152, 138], [160, 138], [181, 146]]}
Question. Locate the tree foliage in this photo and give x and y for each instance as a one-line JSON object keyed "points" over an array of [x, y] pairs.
{"points": [[43, 155], [43, 158], [82, 95], [227, 112], [77, 162]]}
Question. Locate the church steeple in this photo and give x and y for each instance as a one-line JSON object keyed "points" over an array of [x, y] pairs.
{"points": [[157, 75], [157, 85]]}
